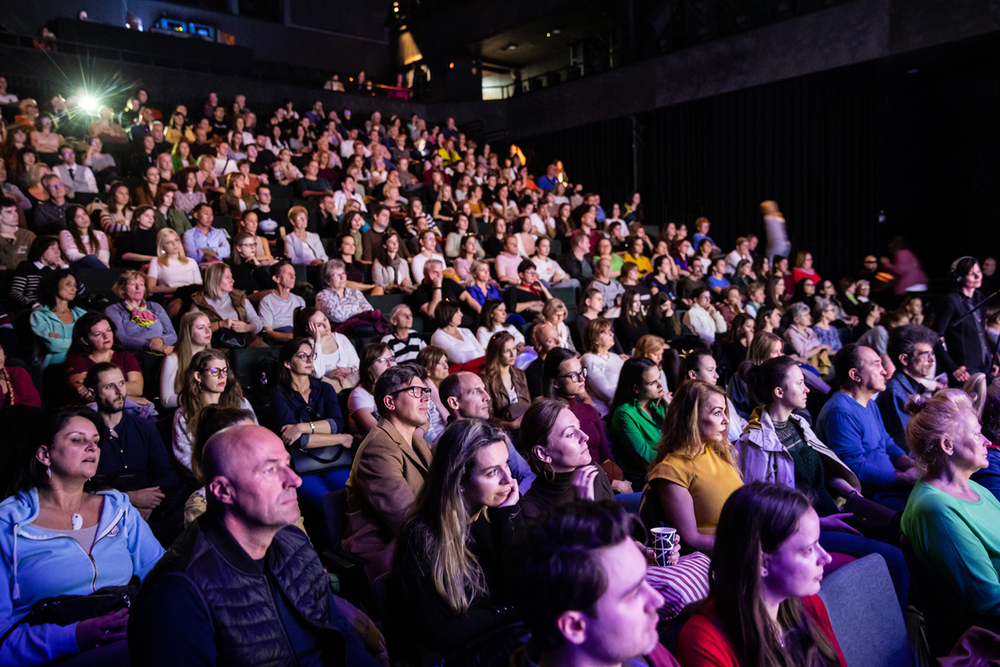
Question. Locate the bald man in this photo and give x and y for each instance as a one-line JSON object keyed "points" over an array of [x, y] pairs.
{"points": [[241, 586]]}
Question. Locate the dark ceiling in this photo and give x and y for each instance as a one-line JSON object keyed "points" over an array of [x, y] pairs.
{"points": [[540, 40]]}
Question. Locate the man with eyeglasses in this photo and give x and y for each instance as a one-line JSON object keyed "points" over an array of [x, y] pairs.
{"points": [[76, 177], [389, 468], [465, 396], [50, 216], [911, 349]]}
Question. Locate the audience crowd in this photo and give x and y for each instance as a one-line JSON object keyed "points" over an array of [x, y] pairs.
{"points": [[260, 336]]}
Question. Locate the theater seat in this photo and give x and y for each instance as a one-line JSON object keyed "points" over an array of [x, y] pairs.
{"points": [[865, 615]]}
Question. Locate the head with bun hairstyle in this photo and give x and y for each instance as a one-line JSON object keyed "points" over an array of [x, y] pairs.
{"points": [[944, 431]]}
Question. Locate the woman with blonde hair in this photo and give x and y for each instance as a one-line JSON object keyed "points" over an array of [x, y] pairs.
{"points": [[194, 334], [140, 324], [208, 381], [226, 307], [951, 521], [505, 382], [554, 312], [694, 470], [301, 246], [450, 551]]}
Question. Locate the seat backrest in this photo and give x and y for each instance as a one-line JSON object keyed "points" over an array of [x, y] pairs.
{"points": [[865, 614], [335, 513]]}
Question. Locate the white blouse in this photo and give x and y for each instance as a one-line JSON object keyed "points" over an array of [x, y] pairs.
{"points": [[175, 274], [459, 351], [602, 379], [344, 357], [484, 335]]}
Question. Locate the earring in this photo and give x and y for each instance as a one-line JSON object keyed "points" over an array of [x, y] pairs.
{"points": [[48, 471], [763, 572]]}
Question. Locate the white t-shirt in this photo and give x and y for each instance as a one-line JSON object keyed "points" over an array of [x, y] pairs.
{"points": [[360, 399], [344, 357], [9, 98], [175, 274]]}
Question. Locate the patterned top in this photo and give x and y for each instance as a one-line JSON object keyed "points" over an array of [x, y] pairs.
{"points": [[340, 309]]}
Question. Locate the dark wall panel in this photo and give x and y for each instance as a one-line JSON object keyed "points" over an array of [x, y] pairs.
{"points": [[812, 144]]}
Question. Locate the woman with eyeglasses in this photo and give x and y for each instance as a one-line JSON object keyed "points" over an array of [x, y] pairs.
{"points": [[362, 413], [208, 381], [565, 378], [307, 414], [637, 415]]}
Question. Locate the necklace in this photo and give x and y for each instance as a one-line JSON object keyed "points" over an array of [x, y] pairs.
{"points": [[75, 518]]}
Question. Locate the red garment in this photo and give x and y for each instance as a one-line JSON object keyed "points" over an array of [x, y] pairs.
{"points": [[703, 644], [123, 360], [592, 424], [24, 392], [799, 274]]}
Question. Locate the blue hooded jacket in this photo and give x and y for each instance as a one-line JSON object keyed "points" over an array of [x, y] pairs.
{"points": [[39, 564]]}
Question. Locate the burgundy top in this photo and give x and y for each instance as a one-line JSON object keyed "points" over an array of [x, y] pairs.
{"points": [[24, 389], [123, 360], [592, 424]]}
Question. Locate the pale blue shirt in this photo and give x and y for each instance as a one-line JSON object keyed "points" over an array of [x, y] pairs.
{"points": [[195, 241]]}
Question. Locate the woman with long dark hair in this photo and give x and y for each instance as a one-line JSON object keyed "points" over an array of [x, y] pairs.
{"points": [[637, 415], [450, 553], [505, 382], [630, 326], [763, 609]]}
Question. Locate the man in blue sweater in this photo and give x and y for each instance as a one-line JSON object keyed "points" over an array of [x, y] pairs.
{"points": [[851, 425]]}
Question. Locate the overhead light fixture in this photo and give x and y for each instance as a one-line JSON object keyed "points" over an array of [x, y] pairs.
{"points": [[556, 31], [510, 47]]}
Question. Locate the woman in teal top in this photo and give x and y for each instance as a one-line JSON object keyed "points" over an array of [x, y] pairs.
{"points": [[637, 414], [53, 323], [952, 523]]}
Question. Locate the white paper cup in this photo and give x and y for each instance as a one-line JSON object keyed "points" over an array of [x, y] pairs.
{"points": [[664, 540]]}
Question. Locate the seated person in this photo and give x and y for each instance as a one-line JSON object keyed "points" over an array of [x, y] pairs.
{"points": [[779, 446], [610, 289], [54, 321], [226, 307], [951, 521], [43, 258], [133, 457], [307, 416], [173, 271], [84, 247], [245, 547], [301, 246], [527, 297], [505, 382], [16, 387], [469, 491], [362, 414], [460, 344], [346, 251], [15, 241], [717, 279], [250, 223], [767, 545], [390, 271], [491, 321], [204, 243], [277, 309], [702, 319], [637, 415], [480, 288], [694, 470], [699, 364], [403, 342], [575, 565], [137, 246], [911, 350], [804, 340], [194, 334], [235, 202], [559, 457], [206, 382], [603, 366], [140, 324], [851, 425], [336, 359], [94, 341], [338, 301], [508, 261], [389, 468], [428, 245], [312, 184], [636, 254], [630, 325], [64, 457]]}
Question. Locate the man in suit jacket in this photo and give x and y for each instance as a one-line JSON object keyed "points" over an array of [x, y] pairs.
{"points": [[76, 177], [389, 468]]}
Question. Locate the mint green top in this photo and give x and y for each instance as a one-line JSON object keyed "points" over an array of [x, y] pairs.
{"points": [[958, 541], [633, 428]]}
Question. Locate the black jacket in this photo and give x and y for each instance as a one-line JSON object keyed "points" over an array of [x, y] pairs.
{"points": [[964, 335]]}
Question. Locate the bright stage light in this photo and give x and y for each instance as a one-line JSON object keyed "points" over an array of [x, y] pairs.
{"points": [[88, 103]]}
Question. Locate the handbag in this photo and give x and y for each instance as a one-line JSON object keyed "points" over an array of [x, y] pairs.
{"points": [[320, 459], [65, 609]]}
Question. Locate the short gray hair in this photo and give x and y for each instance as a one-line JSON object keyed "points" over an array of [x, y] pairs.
{"points": [[329, 268], [797, 310]]}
